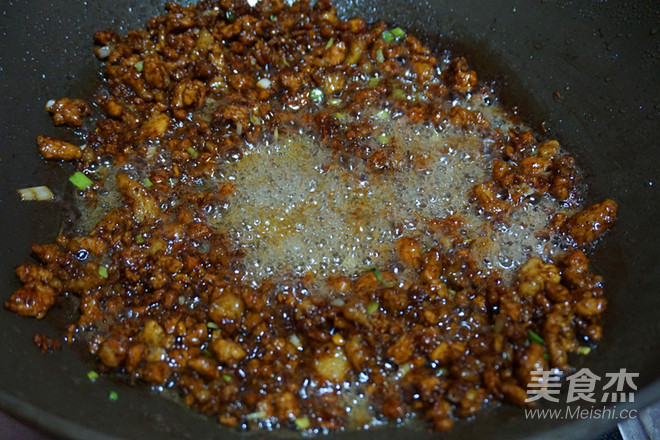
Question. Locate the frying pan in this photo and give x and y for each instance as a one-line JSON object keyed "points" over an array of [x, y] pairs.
{"points": [[588, 70]]}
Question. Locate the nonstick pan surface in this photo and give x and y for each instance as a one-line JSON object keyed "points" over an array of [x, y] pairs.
{"points": [[588, 70]]}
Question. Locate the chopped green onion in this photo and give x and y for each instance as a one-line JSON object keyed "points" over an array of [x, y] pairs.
{"points": [[372, 308], [340, 116], [380, 279], [534, 337], [182, 300], [546, 356], [387, 37], [226, 377], [256, 415], [382, 115], [373, 81], [335, 101], [376, 272], [40, 193], [103, 271], [229, 15], [272, 17], [139, 66], [398, 32], [404, 369], [303, 423], [193, 153], [139, 239], [147, 182], [398, 94], [384, 139], [92, 375], [113, 396], [256, 120], [584, 350], [534, 152], [284, 61], [212, 325], [329, 44], [264, 83], [316, 94], [80, 180], [379, 56]]}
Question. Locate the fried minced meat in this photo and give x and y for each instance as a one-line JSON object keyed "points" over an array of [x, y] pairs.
{"points": [[162, 298]]}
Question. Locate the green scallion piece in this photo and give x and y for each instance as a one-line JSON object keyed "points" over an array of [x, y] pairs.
{"points": [[335, 101], [329, 44], [398, 94], [256, 415], [303, 423], [103, 271], [193, 153], [340, 116], [373, 81], [226, 378], [380, 279], [376, 272], [546, 356], [379, 56], [382, 115], [398, 32], [139, 66], [584, 350], [285, 61], [372, 308], [387, 37], [229, 15], [139, 239], [273, 18], [384, 139], [92, 375], [256, 120], [316, 94], [80, 180], [113, 396], [534, 337], [147, 182], [212, 325]]}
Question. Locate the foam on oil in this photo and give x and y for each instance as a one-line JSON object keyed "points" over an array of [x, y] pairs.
{"points": [[296, 209]]}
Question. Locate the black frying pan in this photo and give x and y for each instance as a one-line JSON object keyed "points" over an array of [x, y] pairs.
{"points": [[589, 70]]}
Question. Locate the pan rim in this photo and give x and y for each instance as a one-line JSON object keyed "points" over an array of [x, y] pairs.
{"points": [[47, 422]]}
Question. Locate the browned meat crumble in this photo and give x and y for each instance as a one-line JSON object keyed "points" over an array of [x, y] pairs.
{"points": [[166, 293]]}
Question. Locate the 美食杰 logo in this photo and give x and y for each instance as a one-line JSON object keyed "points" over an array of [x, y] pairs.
{"points": [[583, 387]]}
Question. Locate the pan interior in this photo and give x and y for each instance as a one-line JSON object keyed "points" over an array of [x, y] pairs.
{"points": [[604, 112]]}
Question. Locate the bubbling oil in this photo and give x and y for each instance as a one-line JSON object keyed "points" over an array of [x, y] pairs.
{"points": [[296, 209]]}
